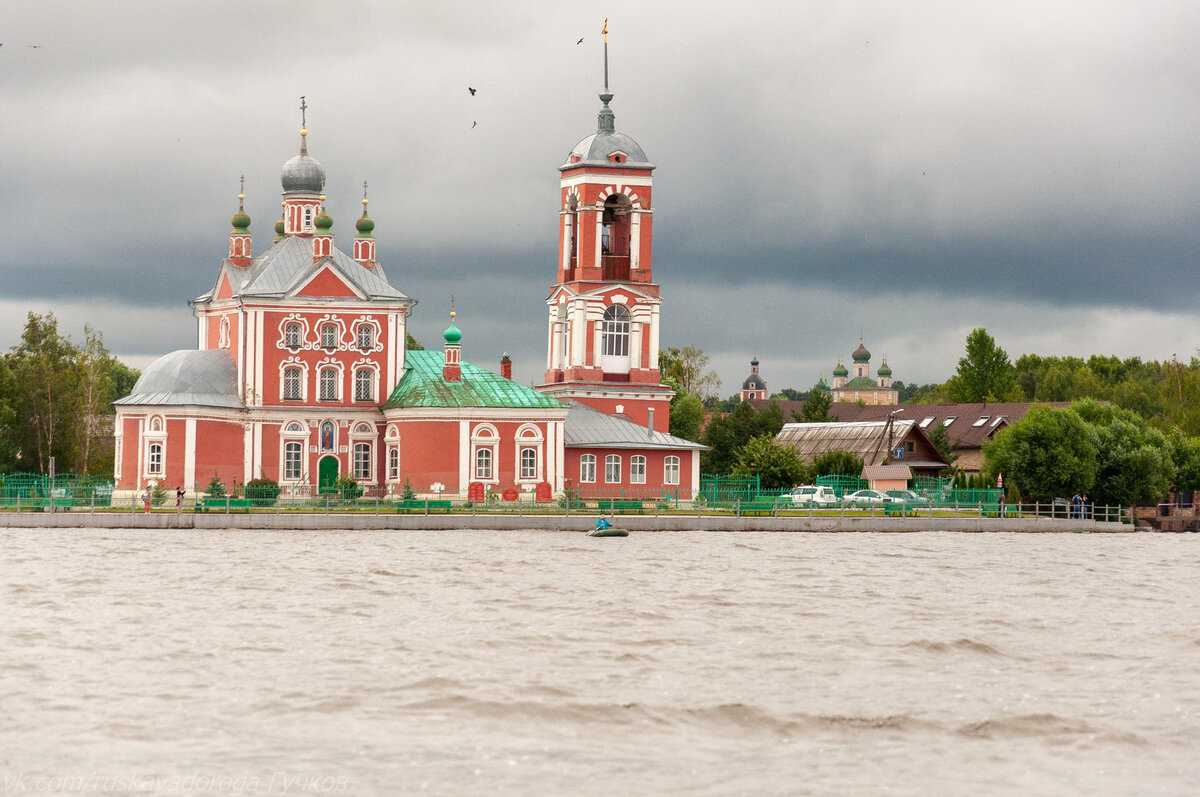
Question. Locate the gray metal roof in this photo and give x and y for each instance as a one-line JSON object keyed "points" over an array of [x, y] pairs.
{"points": [[596, 148], [289, 262], [304, 173], [589, 428], [201, 378], [866, 439]]}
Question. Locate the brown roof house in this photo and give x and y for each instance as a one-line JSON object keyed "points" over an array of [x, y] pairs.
{"points": [[876, 442], [887, 477]]}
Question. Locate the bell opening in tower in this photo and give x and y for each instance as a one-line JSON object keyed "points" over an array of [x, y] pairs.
{"points": [[614, 241]]}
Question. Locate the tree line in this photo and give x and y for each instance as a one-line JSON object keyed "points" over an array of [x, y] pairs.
{"points": [[56, 400]]}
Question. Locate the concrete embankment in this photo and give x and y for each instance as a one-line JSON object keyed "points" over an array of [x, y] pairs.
{"points": [[366, 522]]}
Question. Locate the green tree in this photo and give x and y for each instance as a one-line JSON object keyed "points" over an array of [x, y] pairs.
{"points": [[941, 443], [1134, 464], [44, 376], [984, 373], [775, 465], [1185, 453], [816, 409], [687, 416], [1047, 454], [725, 435], [837, 463], [686, 369]]}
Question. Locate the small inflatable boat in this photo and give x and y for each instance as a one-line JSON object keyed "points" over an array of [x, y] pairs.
{"points": [[606, 529]]}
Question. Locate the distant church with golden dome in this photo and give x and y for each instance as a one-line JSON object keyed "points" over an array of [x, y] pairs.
{"points": [[862, 388]]}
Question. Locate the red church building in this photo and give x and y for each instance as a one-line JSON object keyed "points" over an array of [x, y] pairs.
{"points": [[301, 374]]}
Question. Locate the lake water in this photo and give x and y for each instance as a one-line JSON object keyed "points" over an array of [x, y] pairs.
{"points": [[551, 663]]}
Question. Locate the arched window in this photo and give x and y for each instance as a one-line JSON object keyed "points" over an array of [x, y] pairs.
{"points": [[293, 453], [366, 336], [328, 379], [529, 463], [364, 384], [637, 469], [587, 468], [612, 469], [362, 461], [295, 427], [393, 464], [572, 232], [614, 341], [292, 381], [329, 336], [292, 333], [671, 470], [614, 240], [483, 463], [154, 462]]}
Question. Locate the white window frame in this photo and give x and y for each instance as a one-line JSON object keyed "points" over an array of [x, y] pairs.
{"points": [[297, 383], [587, 469], [293, 432], [615, 332], [928, 419], [337, 335], [485, 436], [611, 460], [337, 382], [671, 470], [529, 473], [983, 419], [637, 469], [286, 473], [362, 474], [392, 444], [949, 420], [288, 328], [529, 435], [161, 444], [370, 393], [484, 464], [371, 328], [364, 433]]}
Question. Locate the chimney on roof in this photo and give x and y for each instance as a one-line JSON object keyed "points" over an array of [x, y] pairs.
{"points": [[506, 366]]}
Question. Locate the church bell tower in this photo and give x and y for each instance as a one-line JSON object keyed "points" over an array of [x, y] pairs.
{"points": [[604, 306]]}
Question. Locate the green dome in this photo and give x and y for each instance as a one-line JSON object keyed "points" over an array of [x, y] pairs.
{"points": [[279, 227], [364, 224], [323, 222], [884, 370], [840, 370], [861, 355], [452, 334], [240, 220]]}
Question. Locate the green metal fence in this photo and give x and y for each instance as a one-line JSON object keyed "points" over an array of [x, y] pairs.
{"points": [[38, 490], [841, 484]]}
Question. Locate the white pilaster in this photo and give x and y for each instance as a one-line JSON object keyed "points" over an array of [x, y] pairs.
{"points": [[259, 320], [655, 323], [464, 457], [258, 450], [635, 240], [566, 238], [635, 344], [560, 452], [141, 444], [240, 353], [189, 455], [599, 231], [247, 452], [695, 473], [578, 332], [202, 332], [552, 353], [390, 381]]}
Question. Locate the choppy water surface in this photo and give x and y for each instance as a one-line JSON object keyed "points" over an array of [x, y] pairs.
{"points": [[389, 663]]}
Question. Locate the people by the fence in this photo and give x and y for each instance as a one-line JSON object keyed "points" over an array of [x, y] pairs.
{"points": [[1076, 506], [146, 496], [179, 498]]}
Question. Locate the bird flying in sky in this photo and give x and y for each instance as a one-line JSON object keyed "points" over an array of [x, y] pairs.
{"points": [[580, 41], [474, 125], [471, 90]]}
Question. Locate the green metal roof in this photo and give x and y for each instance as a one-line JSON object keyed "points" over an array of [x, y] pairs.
{"points": [[422, 386], [862, 383]]}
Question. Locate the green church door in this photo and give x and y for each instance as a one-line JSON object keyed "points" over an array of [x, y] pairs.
{"points": [[327, 473]]}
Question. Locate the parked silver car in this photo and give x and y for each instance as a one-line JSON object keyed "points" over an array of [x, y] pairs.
{"points": [[811, 495], [869, 498]]}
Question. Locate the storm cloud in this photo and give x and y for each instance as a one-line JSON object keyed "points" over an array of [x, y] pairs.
{"points": [[824, 170]]}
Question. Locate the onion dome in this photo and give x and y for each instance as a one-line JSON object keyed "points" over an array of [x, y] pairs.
{"points": [[452, 335], [323, 222], [821, 386], [303, 173], [884, 370], [840, 370], [279, 228], [364, 225], [241, 219], [861, 355]]}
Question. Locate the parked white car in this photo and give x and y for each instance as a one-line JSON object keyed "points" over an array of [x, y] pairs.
{"points": [[869, 498], [810, 495]]}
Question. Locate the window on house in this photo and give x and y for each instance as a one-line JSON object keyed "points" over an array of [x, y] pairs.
{"points": [[393, 464], [996, 421], [291, 335], [329, 336], [671, 470], [154, 462], [949, 420], [614, 340], [292, 457], [587, 468], [637, 469], [982, 420], [612, 469], [329, 384], [366, 337], [364, 384], [529, 463], [926, 421], [910, 446], [292, 383], [362, 461], [483, 463]]}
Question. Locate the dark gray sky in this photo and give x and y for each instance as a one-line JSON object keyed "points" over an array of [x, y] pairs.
{"points": [[904, 170]]}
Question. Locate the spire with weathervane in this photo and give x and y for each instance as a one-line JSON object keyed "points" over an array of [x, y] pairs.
{"points": [[364, 241], [606, 122], [241, 246]]}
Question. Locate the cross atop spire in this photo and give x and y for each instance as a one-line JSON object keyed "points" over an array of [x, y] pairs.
{"points": [[303, 109], [606, 121], [242, 193], [303, 125]]}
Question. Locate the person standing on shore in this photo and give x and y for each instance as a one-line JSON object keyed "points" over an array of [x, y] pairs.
{"points": [[1076, 507], [178, 499]]}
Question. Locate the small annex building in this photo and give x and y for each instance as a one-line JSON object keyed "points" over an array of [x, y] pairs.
{"points": [[872, 441], [887, 477]]}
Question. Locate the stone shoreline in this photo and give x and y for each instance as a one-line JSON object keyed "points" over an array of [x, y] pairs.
{"points": [[642, 523]]}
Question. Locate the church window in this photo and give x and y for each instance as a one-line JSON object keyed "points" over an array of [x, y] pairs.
{"points": [[292, 454], [671, 470], [587, 468], [329, 336], [615, 331], [393, 464], [637, 470], [612, 469], [329, 384], [291, 335], [154, 462], [328, 436], [483, 464], [366, 337], [362, 461], [364, 384], [572, 232], [529, 463], [308, 217], [616, 222], [291, 383]]}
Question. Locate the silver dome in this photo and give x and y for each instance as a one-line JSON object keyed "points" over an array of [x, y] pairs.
{"points": [[303, 172], [206, 378], [598, 146]]}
